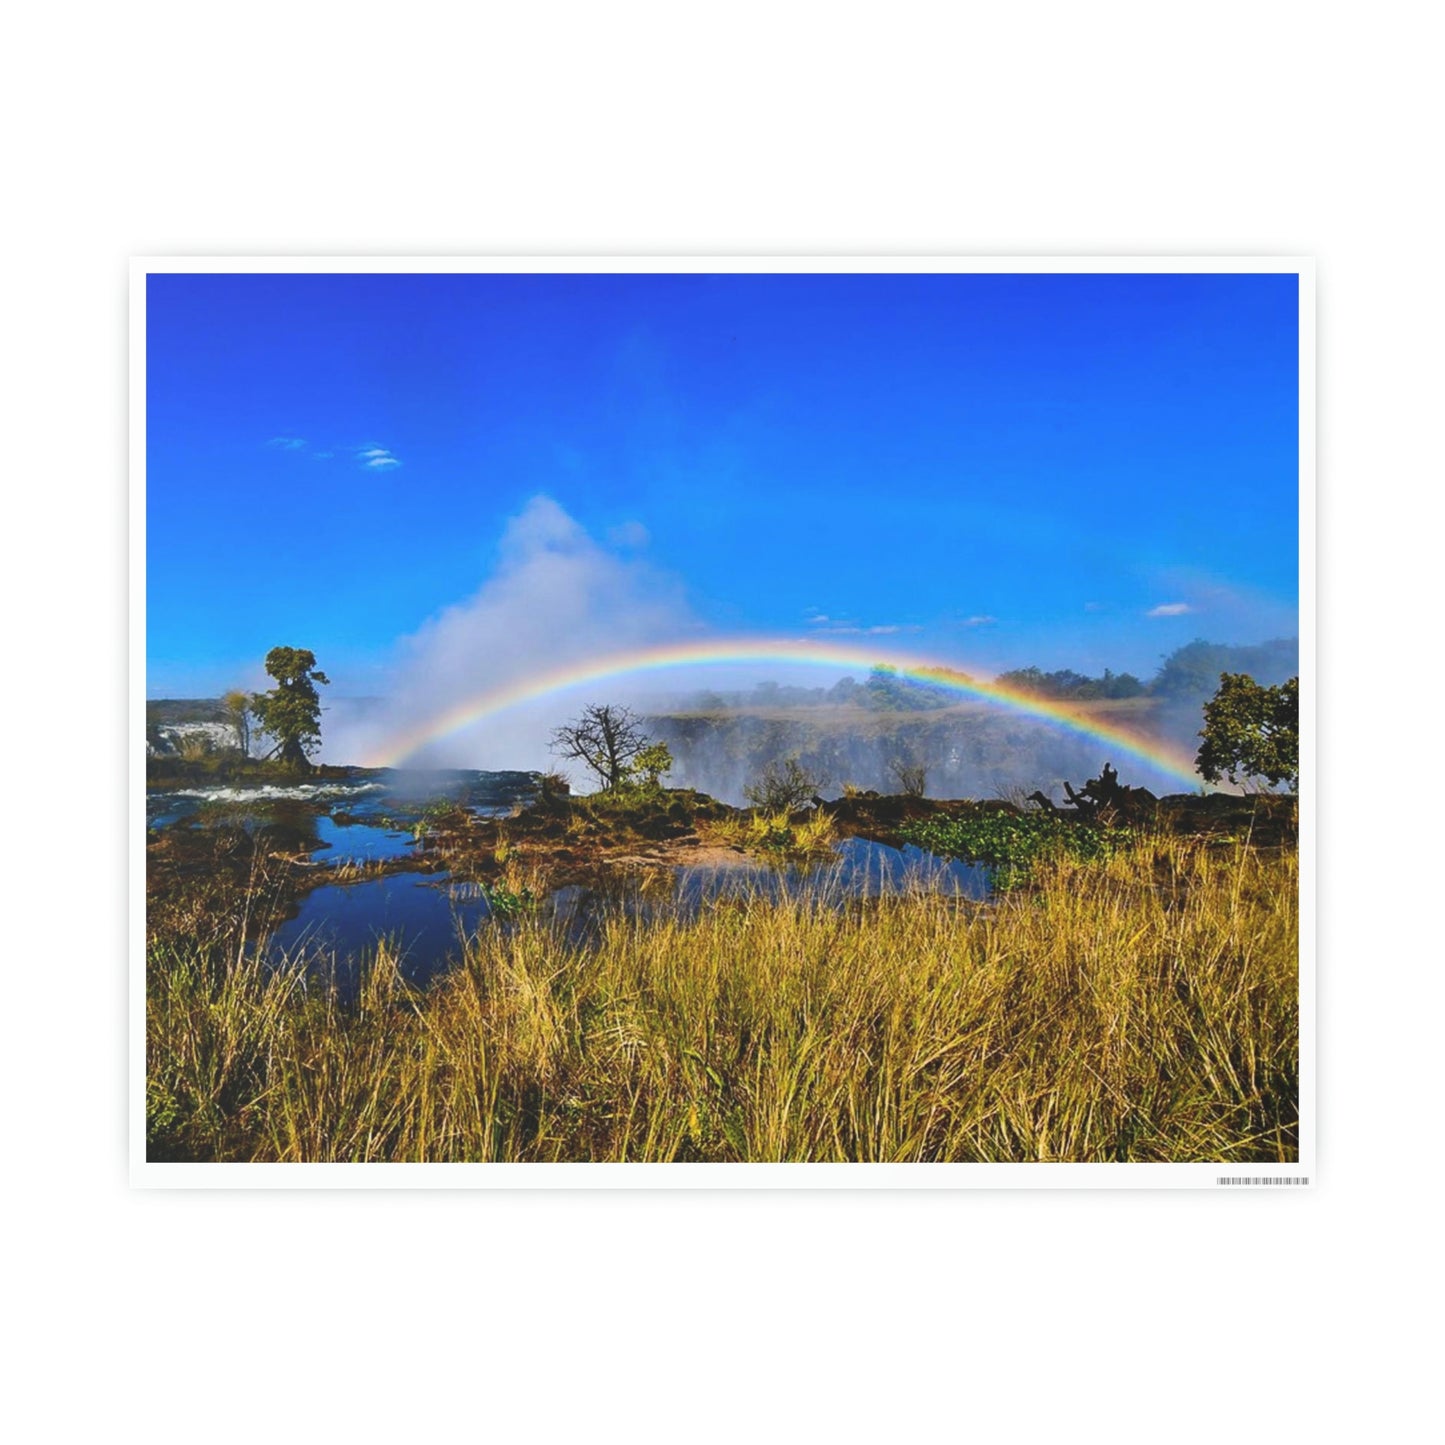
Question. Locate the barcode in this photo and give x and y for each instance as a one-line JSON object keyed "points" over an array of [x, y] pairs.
{"points": [[1263, 1179]]}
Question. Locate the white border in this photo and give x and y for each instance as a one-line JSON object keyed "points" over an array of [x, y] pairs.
{"points": [[144, 1174]]}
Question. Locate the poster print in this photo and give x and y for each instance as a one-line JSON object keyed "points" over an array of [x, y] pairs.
{"points": [[722, 722]]}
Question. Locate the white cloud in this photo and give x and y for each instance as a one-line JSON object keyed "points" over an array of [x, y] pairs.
{"points": [[981, 620], [1237, 611], [1169, 609], [880, 630], [376, 459], [287, 443]]}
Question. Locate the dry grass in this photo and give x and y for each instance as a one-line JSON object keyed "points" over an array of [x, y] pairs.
{"points": [[779, 834], [1139, 1008], [347, 869]]}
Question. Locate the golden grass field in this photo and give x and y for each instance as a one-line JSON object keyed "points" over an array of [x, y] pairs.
{"points": [[1143, 1008]]}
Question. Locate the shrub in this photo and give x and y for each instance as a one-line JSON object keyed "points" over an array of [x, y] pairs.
{"points": [[912, 777], [648, 766], [781, 787]]}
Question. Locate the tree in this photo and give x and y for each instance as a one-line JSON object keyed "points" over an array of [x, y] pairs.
{"points": [[291, 711], [912, 776], [238, 711], [647, 768], [1251, 732], [606, 740], [783, 786]]}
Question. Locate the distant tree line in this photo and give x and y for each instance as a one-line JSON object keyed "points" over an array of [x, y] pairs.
{"points": [[1066, 683], [1189, 674], [1192, 672]]}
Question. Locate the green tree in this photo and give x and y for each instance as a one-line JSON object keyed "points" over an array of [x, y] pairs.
{"points": [[1251, 732], [649, 765], [291, 711]]}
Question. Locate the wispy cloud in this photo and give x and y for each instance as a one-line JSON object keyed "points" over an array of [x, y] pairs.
{"points": [[371, 457], [880, 630], [377, 459], [981, 620], [822, 625], [1169, 609], [1237, 611]]}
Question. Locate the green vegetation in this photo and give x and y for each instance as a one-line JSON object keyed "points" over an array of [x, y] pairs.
{"points": [[886, 691], [1013, 844], [1251, 732], [291, 712], [649, 766], [506, 901], [1139, 1006]]}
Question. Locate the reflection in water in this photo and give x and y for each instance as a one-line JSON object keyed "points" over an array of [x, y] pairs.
{"points": [[425, 913], [430, 916], [361, 842], [858, 868]]}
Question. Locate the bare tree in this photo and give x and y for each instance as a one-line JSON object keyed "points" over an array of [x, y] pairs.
{"points": [[912, 777], [605, 739]]}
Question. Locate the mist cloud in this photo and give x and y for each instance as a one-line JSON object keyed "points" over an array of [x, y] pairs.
{"points": [[555, 596]]}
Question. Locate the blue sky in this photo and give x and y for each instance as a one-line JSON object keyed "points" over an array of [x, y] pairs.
{"points": [[1082, 470]]}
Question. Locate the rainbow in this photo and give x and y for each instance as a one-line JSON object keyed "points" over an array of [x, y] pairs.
{"points": [[403, 744]]}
